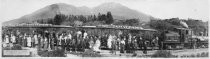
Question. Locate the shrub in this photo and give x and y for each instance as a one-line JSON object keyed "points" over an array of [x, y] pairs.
{"points": [[6, 48], [192, 55], [16, 47], [90, 53], [55, 53], [203, 54], [162, 53], [134, 54], [198, 55], [207, 54]]}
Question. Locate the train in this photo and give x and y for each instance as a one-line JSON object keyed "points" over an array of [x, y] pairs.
{"points": [[180, 38], [183, 38]]}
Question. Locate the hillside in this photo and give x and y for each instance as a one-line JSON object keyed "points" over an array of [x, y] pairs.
{"points": [[118, 11]]}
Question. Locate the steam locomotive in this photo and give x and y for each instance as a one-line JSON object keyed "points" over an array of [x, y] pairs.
{"points": [[182, 38]]}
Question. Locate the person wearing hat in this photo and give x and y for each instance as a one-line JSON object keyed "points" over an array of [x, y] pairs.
{"points": [[24, 40], [122, 45]]}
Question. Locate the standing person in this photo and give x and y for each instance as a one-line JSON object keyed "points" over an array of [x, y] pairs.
{"points": [[109, 41], [60, 37], [84, 40], [78, 39], [35, 40], [32, 41], [13, 38], [114, 45], [145, 46], [132, 45], [51, 41], [63, 42], [45, 44], [79, 43], [140, 42], [91, 43], [39, 38], [97, 45], [55, 40], [79, 33], [20, 39], [29, 41], [85, 35], [7, 39], [128, 45], [118, 42], [154, 42], [24, 40], [122, 45], [42, 41], [47, 34], [68, 42], [74, 43], [135, 44]]}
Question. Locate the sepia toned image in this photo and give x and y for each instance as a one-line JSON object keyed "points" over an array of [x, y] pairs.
{"points": [[105, 28]]}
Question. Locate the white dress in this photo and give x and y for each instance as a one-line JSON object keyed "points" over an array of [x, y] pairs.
{"points": [[109, 41], [91, 44], [36, 39], [69, 36], [60, 37], [29, 41], [85, 35], [13, 39], [7, 39], [79, 33], [97, 45]]}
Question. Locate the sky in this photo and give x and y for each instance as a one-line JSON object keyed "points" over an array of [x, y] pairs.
{"points": [[163, 9]]}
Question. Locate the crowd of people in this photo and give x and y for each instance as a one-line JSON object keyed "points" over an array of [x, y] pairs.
{"points": [[78, 41]]}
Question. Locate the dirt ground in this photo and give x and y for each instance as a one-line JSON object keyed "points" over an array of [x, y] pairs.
{"points": [[174, 52], [106, 53]]}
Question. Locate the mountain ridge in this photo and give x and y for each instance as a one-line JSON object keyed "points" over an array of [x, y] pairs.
{"points": [[117, 9]]}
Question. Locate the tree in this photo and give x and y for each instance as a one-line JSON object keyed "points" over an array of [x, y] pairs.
{"points": [[161, 25], [103, 17], [99, 17], [173, 21], [94, 18], [78, 23], [109, 19], [132, 22], [58, 19]]}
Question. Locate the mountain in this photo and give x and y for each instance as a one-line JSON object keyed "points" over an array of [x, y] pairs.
{"points": [[118, 11]]}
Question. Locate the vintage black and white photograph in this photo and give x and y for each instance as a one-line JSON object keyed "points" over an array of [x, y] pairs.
{"points": [[105, 28]]}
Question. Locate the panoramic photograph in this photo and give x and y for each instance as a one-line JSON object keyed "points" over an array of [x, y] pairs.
{"points": [[105, 28]]}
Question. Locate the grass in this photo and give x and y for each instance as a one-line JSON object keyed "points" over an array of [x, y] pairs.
{"points": [[163, 54], [14, 47], [90, 53], [55, 53], [87, 53], [203, 54]]}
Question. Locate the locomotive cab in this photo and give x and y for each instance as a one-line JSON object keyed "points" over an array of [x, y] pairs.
{"points": [[177, 39]]}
